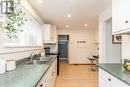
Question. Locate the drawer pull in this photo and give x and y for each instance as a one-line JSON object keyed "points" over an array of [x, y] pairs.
{"points": [[126, 21], [109, 79], [41, 85]]}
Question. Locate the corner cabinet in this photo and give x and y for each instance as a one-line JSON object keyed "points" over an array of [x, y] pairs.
{"points": [[107, 80], [48, 80], [120, 16], [49, 33]]}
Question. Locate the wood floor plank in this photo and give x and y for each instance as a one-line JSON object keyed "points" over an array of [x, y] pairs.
{"points": [[76, 76]]}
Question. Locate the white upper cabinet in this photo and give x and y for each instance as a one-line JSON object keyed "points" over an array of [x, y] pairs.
{"points": [[120, 16], [49, 33]]}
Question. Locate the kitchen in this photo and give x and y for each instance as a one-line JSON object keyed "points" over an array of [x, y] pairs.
{"points": [[55, 46]]}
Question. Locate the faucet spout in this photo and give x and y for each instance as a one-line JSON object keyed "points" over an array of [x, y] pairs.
{"points": [[32, 56]]}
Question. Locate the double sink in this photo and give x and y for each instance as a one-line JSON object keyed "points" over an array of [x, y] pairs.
{"points": [[39, 61]]}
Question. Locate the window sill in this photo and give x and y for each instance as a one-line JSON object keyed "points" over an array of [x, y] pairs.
{"points": [[20, 46]]}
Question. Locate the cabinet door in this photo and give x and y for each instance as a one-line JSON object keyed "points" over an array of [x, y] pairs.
{"points": [[46, 35], [49, 33], [104, 83], [43, 81], [53, 33], [117, 83], [117, 23], [126, 13], [53, 73], [120, 15]]}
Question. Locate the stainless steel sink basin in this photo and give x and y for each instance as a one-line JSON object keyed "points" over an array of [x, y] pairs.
{"points": [[36, 62], [44, 58]]}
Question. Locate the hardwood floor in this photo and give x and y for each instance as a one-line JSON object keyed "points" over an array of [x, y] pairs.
{"points": [[76, 76]]}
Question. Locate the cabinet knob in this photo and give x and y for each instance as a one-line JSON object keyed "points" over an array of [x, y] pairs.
{"points": [[126, 21], [41, 85], [109, 79]]}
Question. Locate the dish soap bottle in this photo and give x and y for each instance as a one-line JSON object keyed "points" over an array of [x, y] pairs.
{"points": [[2, 66]]}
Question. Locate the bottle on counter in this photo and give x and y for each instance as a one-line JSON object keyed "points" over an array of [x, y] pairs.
{"points": [[10, 65], [2, 66]]}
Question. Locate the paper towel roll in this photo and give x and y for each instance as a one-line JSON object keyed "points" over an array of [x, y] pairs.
{"points": [[2, 66]]}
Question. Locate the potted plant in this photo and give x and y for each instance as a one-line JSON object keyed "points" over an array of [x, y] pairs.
{"points": [[15, 19]]}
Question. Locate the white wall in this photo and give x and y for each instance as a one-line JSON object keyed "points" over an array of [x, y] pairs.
{"points": [[125, 47], [78, 55], [20, 52], [113, 50], [103, 17]]}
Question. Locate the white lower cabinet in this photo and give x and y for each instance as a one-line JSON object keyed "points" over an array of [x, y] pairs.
{"points": [[107, 80], [48, 80], [103, 83]]}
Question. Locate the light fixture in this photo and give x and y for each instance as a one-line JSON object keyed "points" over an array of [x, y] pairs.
{"points": [[40, 1], [69, 15], [67, 26], [85, 25]]}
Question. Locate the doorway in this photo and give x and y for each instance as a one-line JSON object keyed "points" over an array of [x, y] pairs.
{"points": [[63, 42]]}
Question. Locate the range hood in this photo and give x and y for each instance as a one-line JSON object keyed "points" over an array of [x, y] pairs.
{"points": [[49, 42]]}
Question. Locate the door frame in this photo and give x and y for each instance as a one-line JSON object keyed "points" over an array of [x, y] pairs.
{"points": [[102, 40], [68, 49]]}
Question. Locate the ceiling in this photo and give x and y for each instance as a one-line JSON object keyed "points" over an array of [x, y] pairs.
{"points": [[82, 11]]}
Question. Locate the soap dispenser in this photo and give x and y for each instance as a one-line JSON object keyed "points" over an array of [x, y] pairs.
{"points": [[2, 66]]}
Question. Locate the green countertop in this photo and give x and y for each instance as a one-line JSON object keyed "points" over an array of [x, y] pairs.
{"points": [[25, 75], [117, 71]]}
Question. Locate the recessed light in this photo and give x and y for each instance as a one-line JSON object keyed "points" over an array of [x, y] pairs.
{"points": [[67, 26], [85, 25], [40, 1], [69, 15]]}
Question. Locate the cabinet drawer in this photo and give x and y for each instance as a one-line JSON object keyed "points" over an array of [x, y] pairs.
{"points": [[104, 75], [116, 82], [43, 82], [113, 81]]}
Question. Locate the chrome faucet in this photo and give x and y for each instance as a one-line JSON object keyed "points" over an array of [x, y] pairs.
{"points": [[31, 56]]}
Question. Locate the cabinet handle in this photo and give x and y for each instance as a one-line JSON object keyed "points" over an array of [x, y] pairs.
{"points": [[109, 79], [126, 21], [41, 85]]}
